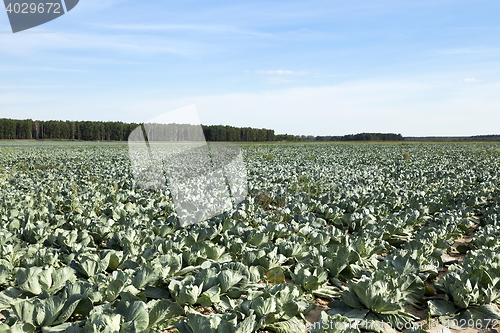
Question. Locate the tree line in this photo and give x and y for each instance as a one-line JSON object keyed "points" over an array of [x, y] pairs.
{"points": [[363, 137], [119, 131], [65, 130], [479, 138]]}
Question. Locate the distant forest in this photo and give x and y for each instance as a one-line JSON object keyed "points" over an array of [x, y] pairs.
{"points": [[119, 131], [479, 138], [363, 137], [12, 129]]}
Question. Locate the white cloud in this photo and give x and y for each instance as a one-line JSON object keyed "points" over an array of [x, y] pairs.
{"points": [[278, 80], [209, 29], [470, 80], [29, 44], [29, 87], [92, 6], [459, 51], [412, 107], [280, 72]]}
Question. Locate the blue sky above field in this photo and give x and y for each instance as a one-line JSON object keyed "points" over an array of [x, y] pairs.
{"points": [[299, 67]]}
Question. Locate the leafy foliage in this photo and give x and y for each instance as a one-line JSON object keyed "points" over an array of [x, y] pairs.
{"points": [[82, 250]]}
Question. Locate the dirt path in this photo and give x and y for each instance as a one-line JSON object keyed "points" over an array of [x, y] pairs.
{"points": [[315, 314]]}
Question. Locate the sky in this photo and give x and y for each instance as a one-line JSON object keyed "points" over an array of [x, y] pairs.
{"points": [[419, 68]]}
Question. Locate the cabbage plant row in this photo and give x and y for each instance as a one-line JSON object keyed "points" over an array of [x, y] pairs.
{"points": [[359, 225]]}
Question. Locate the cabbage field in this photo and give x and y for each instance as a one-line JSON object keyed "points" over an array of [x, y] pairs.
{"points": [[379, 237]]}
